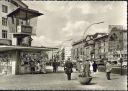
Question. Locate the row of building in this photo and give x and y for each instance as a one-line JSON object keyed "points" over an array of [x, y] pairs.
{"points": [[98, 47], [102, 46]]}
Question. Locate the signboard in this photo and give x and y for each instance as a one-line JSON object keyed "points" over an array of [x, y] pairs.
{"points": [[24, 29]]}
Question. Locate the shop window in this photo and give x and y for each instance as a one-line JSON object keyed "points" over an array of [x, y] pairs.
{"points": [[4, 34], [4, 21], [4, 8]]}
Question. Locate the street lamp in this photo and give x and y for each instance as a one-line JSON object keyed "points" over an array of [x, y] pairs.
{"points": [[86, 31]]}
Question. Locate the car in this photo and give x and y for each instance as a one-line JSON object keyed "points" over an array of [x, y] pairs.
{"points": [[124, 64]]}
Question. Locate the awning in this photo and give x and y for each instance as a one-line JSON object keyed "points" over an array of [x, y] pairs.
{"points": [[24, 13], [32, 48]]}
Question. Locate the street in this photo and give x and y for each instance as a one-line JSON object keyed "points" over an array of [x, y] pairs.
{"points": [[58, 81]]}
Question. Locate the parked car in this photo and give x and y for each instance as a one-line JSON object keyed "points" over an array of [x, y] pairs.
{"points": [[124, 64]]}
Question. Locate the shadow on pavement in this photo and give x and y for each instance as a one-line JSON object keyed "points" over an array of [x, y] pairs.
{"points": [[114, 78], [74, 79], [91, 84], [50, 71], [95, 77]]}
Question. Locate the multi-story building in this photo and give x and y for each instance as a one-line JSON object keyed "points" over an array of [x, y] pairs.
{"points": [[101, 47], [124, 52], [6, 7], [66, 46], [89, 48], [117, 43], [16, 29], [77, 49], [83, 49]]}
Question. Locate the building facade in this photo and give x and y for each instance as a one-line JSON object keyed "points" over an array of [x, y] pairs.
{"points": [[16, 29], [6, 7], [77, 50], [117, 43], [66, 48], [101, 47], [89, 48]]}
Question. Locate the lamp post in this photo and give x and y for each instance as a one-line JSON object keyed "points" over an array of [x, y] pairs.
{"points": [[86, 31]]}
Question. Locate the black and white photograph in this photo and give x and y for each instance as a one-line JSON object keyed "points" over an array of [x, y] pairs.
{"points": [[63, 45]]}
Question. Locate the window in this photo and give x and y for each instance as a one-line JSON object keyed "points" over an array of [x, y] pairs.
{"points": [[4, 34], [4, 8], [4, 21]]}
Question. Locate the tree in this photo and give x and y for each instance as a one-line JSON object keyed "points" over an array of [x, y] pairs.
{"points": [[63, 54]]}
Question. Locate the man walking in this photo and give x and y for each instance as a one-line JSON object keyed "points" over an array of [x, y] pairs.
{"points": [[108, 69], [68, 68], [54, 66]]}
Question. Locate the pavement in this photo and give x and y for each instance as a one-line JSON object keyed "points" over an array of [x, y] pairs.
{"points": [[58, 81]]}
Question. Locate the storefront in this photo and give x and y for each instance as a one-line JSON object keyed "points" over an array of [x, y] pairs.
{"points": [[15, 60], [116, 55]]}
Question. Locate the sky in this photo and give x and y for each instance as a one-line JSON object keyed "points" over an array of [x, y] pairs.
{"points": [[68, 20]]}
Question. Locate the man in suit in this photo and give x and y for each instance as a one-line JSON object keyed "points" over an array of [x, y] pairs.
{"points": [[68, 68], [55, 65]]}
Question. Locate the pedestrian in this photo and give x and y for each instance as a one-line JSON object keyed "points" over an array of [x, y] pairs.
{"points": [[94, 67], [55, 65], [91, 67], [108, 69], [68, 68], [86, 68], [43, 66], [32, 66], [38, 67], [78, 65]]}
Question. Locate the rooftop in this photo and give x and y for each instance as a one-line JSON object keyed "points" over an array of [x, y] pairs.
{"points": [[24, 13]]}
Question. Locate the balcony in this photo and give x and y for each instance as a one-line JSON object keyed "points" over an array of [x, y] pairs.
{"points": [[5, 42], [24, 29]]}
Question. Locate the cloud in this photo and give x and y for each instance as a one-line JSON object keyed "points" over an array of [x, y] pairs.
{"points": [[43, 41], [64, 20], [74, 29]]}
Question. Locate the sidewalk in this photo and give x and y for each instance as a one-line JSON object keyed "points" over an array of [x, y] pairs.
{"points": [[60, 69], [58, 81]]}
